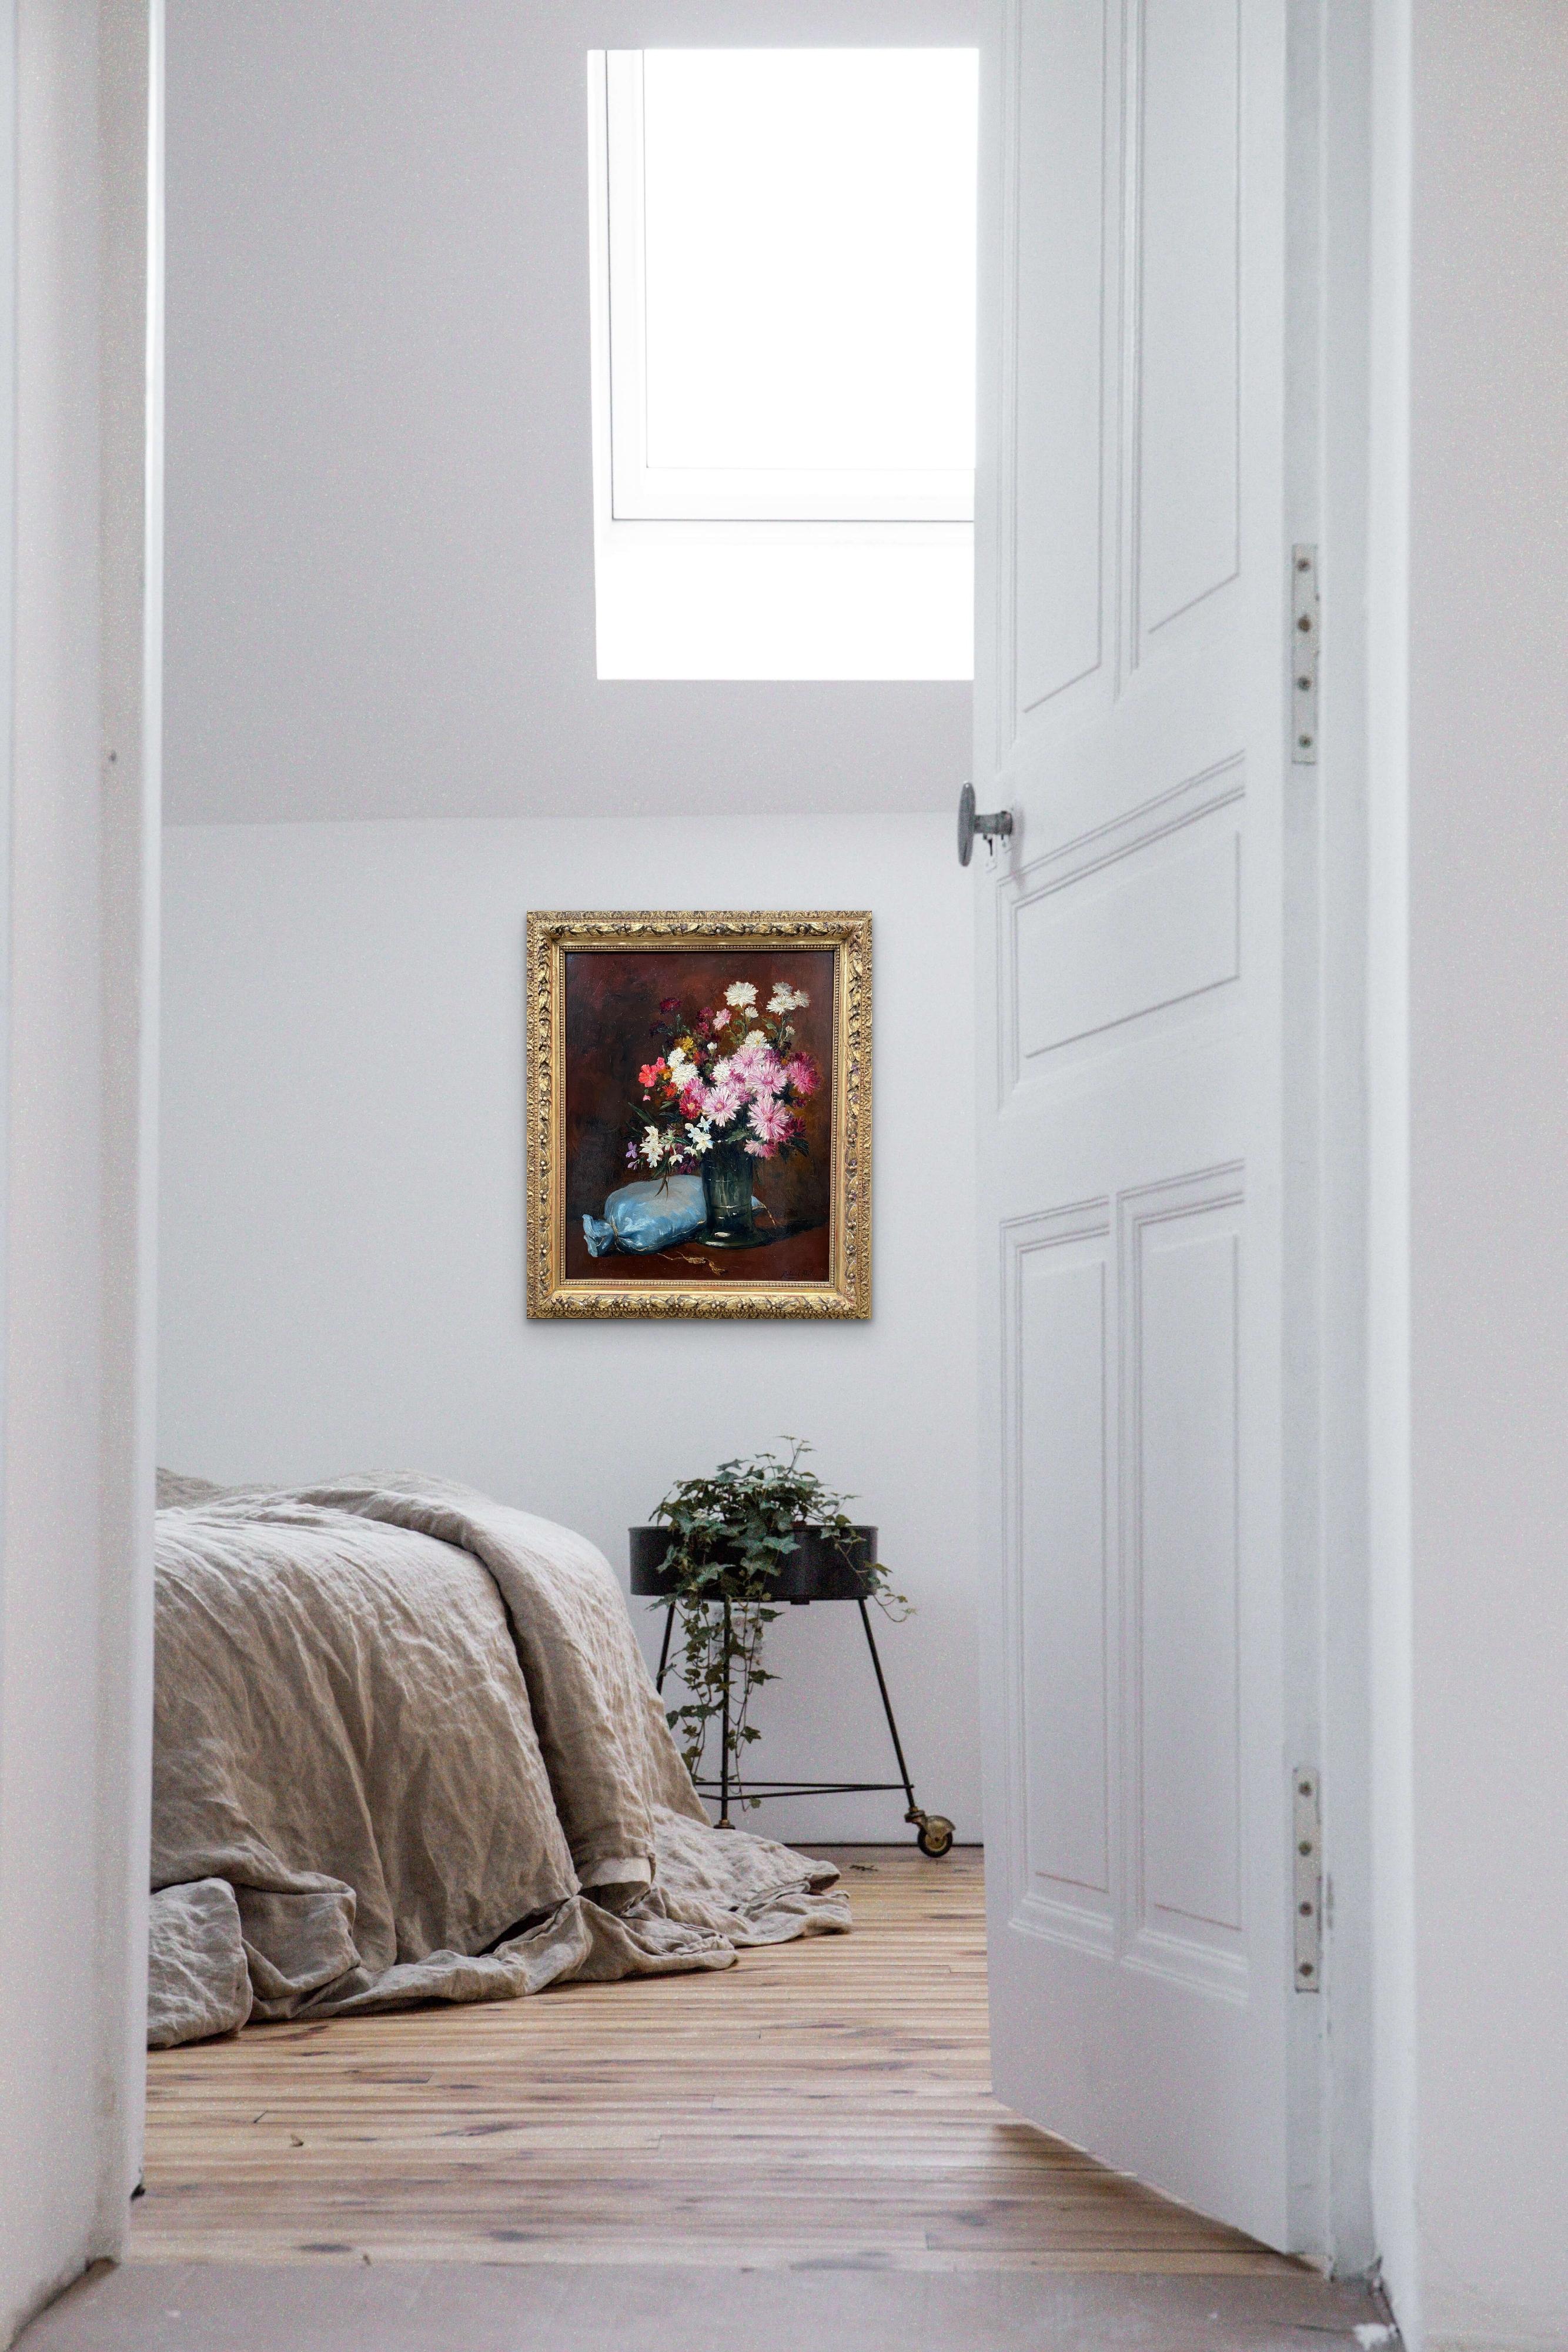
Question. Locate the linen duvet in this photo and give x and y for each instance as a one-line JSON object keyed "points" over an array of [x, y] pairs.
{"points": [[405, 1749]]}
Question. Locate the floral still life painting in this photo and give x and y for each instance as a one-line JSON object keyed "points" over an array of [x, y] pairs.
{"points": [[699, 1114]]}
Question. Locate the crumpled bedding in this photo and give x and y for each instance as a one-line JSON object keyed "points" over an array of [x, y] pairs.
{"points": [[406, 1749]]}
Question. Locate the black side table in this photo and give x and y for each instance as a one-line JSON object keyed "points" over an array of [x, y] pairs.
{"points": [[820, 1568]]}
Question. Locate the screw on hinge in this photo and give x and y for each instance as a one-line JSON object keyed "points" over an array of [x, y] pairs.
{"points": [[1308, 1880], [1304, 655]]}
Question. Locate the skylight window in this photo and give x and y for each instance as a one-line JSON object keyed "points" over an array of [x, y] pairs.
{"points": [[793, 284], [784, 251]]}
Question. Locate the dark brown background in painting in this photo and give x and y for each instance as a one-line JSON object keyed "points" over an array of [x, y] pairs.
{"points": [[612, 1000]]}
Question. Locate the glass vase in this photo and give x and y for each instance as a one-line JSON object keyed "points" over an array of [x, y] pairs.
{"points": [[727, 1193]]}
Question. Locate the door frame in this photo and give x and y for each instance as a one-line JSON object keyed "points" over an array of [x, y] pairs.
{"points": [[131, 157], [81, 587], [1332, 51]]}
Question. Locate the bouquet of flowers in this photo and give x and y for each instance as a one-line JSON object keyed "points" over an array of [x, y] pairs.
{"points": [[727, 1078]]}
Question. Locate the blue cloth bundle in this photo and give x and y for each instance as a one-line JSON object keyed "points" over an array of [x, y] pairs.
{"points": [[649, 1215]]}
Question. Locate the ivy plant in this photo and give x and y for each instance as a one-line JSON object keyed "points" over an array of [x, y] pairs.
{"points": [[731, 1533]]}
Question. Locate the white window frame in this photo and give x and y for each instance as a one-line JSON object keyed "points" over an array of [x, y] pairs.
{"points": [[642, 492]]}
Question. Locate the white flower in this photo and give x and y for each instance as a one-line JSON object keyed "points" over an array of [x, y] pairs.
{"points": [[653, 1146], [755, 1037], [740, 991], [785, 999], [720, 1070], [681, 1069], [700, 1133]]}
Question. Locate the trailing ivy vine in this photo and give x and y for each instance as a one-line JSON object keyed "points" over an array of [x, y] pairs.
{"points": [[732, 1533]]}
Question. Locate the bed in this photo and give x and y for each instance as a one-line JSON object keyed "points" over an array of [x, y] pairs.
{"points": [[406, 1749]]}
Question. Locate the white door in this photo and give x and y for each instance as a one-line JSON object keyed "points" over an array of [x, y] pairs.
{"points": [[1139, 1092]]}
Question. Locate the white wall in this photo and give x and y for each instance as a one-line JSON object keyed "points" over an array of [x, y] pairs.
{"points": [[342, 1229], [381, 515], [1488, 880]]}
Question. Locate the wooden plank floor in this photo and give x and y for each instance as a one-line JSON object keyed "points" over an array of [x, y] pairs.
{"points": [[824, 2103]]}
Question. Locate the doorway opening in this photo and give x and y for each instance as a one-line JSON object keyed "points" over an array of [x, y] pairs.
{"points": [[826, 2106]]}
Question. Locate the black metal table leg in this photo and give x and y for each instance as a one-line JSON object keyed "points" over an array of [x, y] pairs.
{"points": [[887, 1710], [723, 1820], [934, 1831]]}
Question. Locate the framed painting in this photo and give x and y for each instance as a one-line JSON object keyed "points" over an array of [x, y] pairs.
{"points": [[699, 1114]]}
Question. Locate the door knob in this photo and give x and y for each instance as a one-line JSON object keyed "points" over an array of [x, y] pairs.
{"points": [[996, 827]]}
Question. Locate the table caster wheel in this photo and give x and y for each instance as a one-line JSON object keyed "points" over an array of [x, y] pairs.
{"points": [[934, 1835]]}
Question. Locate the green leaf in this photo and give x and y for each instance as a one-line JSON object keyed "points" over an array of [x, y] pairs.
{"points": [[751, 1510]]}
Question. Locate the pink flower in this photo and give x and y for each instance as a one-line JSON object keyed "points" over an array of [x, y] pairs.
{"points": [[759, 1150], [801, 1073], [650, 1073], [759, 1070], [724, 1100], [692, 1100], [772, 1122]]}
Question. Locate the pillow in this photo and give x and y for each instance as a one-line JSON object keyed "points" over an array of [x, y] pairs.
{"points": [[175, 1490]]}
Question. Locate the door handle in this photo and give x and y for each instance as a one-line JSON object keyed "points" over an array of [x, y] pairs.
{"points": [[996, 827]]}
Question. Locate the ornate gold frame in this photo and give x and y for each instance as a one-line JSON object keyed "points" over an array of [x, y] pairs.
{"points": [[551, 938]]}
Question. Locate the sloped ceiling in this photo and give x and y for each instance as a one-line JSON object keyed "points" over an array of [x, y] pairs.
{"points": [[380, 597]]}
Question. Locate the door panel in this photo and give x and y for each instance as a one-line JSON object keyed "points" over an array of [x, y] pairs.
{"points": [[1183, 63], [1184, 1286], [1059, 328], [1062, 1545], [1132, 710], [1105, 948]]}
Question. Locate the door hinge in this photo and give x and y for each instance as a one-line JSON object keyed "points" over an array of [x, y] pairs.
{"points": [[1304, 633], [1307, 1878]]}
